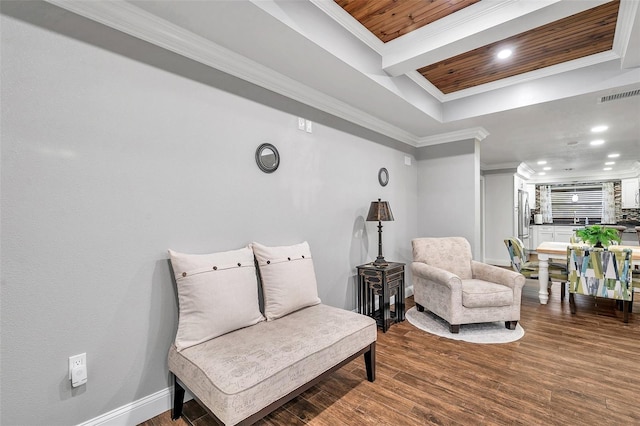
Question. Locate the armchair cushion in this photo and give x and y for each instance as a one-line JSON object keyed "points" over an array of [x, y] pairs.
{"points": [[483, 294]]}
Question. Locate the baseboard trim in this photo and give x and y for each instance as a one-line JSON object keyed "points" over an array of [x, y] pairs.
{"points": [[137, 411], [408, 292]]}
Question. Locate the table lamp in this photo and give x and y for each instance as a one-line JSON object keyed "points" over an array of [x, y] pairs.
{"points": [[381, 212]]}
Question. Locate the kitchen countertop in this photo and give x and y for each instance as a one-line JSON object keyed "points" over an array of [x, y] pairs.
{"points": [[628, 227], [577, 225]]}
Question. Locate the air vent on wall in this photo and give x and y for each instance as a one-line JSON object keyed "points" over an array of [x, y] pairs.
{"points": [[618, 96]]}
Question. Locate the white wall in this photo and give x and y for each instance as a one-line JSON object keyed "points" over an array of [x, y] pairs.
{"points": [[107, 162], [499, 216], [449, 192]]}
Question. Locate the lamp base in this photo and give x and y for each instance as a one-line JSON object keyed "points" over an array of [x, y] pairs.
{"points": [[380, 261]]}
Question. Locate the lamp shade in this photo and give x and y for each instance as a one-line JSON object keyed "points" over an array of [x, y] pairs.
{"points": [[379, 211]]}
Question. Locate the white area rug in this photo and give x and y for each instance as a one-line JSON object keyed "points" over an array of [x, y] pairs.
{"points": [[488, 332]]}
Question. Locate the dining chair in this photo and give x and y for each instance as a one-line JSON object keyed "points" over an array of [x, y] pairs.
{"points": [[530, 269], [600, 272]]}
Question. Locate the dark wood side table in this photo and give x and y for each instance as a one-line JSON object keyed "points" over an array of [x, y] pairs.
{"points": [[384, 282]]}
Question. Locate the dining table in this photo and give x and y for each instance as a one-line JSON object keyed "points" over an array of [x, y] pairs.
{"points": [[557, 250]]}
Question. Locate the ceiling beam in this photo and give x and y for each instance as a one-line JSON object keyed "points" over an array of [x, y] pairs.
{"points": [[475, 26], [627, 38]]}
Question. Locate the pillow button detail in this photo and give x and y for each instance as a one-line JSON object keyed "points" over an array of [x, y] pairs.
{"points": [[215, 268], [288, 258], [184, 274], [268, 262], [239, 264]]}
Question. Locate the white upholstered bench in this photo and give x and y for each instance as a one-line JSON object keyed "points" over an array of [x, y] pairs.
{"points": [[241, 375]]}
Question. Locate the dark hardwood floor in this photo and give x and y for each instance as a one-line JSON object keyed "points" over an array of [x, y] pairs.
{"points": [[581, 369]]}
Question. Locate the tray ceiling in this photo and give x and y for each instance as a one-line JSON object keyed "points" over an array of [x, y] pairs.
{"points": [[574, 37]]}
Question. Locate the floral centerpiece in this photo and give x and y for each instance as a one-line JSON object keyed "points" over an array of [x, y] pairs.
{"points": [[598, 236]]}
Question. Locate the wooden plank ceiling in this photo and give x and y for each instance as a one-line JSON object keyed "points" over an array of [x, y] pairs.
{"points": [[576, 36]]}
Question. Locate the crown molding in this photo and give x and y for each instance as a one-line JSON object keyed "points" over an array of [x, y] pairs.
{"points": [[525, 171], [138, 23], [478, 133]]}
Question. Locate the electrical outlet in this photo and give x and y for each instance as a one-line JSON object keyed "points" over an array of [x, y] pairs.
{"points": [[309, 126], [77, 361], [301, 123]]}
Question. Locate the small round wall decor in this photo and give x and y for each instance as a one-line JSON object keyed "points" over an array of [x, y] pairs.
{"points": [[383, 176], [267, 158]]}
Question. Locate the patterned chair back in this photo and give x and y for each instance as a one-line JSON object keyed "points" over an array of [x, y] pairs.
{"points": [[516, 253], [600, 272]]}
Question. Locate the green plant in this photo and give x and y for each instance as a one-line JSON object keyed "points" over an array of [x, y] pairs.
{"points": [[598, 236]]}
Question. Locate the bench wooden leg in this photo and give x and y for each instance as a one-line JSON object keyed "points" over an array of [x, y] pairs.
{"points": [[511, 325], [178, 399], [572, 303], [625, 311], [370, 362], [454, 328], [419, 307]]}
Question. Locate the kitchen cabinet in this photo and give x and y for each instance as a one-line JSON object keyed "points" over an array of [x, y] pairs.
{"points": [[539, 234], [630, 194], [556, 233], [563, 234]]}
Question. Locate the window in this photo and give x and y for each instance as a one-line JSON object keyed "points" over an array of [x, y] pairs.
{"points": [[588, 203]]}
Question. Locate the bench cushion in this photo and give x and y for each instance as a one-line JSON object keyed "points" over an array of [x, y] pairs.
{"points": [[239, 373]]}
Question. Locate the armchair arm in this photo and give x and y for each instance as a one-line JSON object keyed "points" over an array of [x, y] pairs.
{"points": [[495, 274], [436, 275]]}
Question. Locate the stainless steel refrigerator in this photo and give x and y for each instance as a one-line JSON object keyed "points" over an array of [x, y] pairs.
{"points": [[524, 216]]}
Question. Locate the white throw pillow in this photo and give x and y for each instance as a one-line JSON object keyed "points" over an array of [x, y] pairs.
{"points": [[217, 293], [288, 278]]}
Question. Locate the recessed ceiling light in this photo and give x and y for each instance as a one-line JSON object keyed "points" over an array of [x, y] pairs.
{"points": [[607, 168], [613, 155], [504, 53], [541, 162], [598, 129], [546, 168], [541, 173], [609, 163], [597, 142]]}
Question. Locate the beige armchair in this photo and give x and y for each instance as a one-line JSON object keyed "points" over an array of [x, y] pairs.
{"points": [[460, 290]]}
